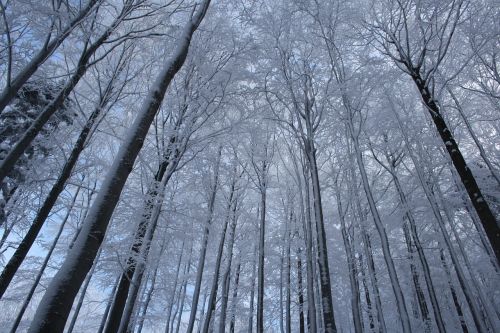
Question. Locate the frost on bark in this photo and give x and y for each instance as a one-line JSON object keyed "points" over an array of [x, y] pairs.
{"points": [[55, 306], [43, 54]]}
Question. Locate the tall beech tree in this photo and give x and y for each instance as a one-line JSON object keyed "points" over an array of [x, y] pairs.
{"points": [[56, 304]]}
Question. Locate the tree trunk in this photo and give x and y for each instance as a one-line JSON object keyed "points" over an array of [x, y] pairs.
{"points": [[154, 193], [204, 245], [323, 265], [149, 293], [29, 239], [226, 280], [437, 214], [260, 270], [215, 283], [252, 288], [300, 294], [422, 303], [172, 297], [31, 292], [412, 228], [108, 306], [235, 298], [82, 294], [396, 287], [184, 292], [456, 302], [367, 247], [367, 294], [42, 55], [53, 311], [288, 318], [353, 274], [482, 208], [82, 66]]}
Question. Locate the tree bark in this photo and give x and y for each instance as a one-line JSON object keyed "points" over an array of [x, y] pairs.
{"points": [[260, 267], [38, 277], [42, 55], [300, 294], [396, 286], [235, 298], [204, 245], [476, 315], [215, 283], [7, 164], [53, 311], [353, 279], [29, 239], [226, 280], [482, 208]]}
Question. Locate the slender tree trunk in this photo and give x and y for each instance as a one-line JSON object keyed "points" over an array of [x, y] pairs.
{"points": [[300, 294], [282, 329], [482, 208], [152, 203], [422, 303], [456, 302], [260, 270], [353, 274], [38, 277], [367, 247], [42, 55], [184, 292], [412, 228], [476, 315], [367, 294], [310, 260], [204, 246], [396, 286], [202, 310], [149, 294], [252, 288], [108, 306], [29, 239], [215, 283], [53, 311], [144, 254], [172, 297], [226, 280], [7, 164], [235, 298], [288, 317]]}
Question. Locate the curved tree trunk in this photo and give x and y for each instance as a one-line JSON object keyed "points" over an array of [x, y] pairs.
{"points": [[53, 311], [42, 55], [29, 239]]}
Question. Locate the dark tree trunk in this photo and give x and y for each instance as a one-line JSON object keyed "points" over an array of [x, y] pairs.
{"points": [[482, 208], [48, 48], [37, 125], [29, 239], [120, 297], [235, 298], [300, 294], [215, 283], [55, 306], [367, 294], [456, 301], [203, 251]]}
